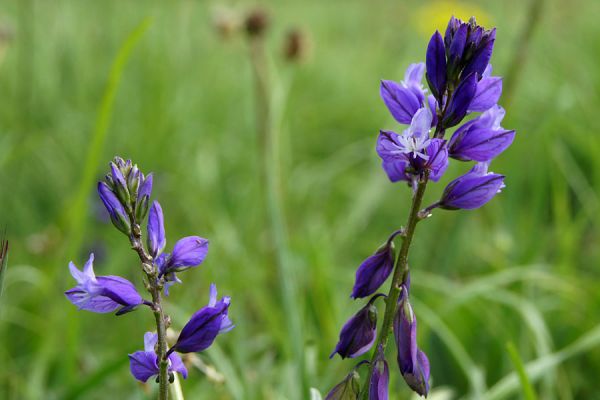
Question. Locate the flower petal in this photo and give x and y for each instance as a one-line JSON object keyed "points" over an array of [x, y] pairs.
{"points": [[143, 365]]}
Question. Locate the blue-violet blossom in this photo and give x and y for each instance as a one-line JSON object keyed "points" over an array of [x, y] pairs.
{"points": [[144, 364], [102, 294], [204, 326]]}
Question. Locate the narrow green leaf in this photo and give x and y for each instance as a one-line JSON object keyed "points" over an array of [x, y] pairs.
{"points": [[528, 391]]}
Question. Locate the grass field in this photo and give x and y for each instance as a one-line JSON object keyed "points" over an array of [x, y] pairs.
{"points": [[521, 273]]}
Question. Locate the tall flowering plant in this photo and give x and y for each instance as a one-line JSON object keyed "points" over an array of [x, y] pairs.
{"points": [[459, 76], [126, 194]]}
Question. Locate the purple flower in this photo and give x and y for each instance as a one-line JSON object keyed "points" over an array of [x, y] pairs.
{"points": [[348, 389], [378, 386], [460, 100], [102, 294], [436, 66], [144, 364], [358, 333], [375, 270], [482, 138], [406, 157], [188, 252], [156, 230], [115, 209], [204, 326], [405, 98], [413, 363], [489, 90], [472, 190]]}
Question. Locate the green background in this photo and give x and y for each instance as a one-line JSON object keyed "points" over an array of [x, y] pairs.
{"points": [[521, 270]]}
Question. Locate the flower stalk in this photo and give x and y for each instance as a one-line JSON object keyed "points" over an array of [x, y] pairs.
{"points": [[154, 288], [401, 270]]}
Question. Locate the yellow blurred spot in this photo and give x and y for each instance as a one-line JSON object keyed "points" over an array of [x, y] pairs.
{"points": [[436, 14]]}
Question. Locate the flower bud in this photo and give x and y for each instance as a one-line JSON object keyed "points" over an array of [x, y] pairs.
{"points": [[413, 363], [435, 62], [358, 333], [296, 45], [472, 190], [156, 230], [374, 271], [378, 386], [257, 21], [133, 182], [115, 209], [348, 389], [120, 185]]}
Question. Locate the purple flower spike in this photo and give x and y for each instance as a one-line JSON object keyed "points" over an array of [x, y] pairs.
{"points": [[460, 101], [188, 252], [375, 270], [436, 66], [489, 90], [115, 209], [144, 364], [358, 333], [472, 190], [413, 363], [378, 387], [156, 230], [102, 294], [348, 389], [481, 139], [204, 326]]}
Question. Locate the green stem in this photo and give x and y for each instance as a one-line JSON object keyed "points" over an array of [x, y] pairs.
{"points": [[400, 272], [154, 287], [268, 135]]}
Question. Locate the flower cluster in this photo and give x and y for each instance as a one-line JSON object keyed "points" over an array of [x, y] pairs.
{"points": [[459, 77], [460, 81], [126, 193]]}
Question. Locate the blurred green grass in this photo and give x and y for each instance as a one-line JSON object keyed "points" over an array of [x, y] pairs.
{"points": [[523, 269]]}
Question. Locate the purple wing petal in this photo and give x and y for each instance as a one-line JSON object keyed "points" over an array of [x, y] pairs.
{"points": [[436, 65], [177, 365], [188, 252], [143, 365], [119, 290], [150, 340], [460, 101], [481, 59], [401, 101], [487, 94], [396, 170], [83, 300]]}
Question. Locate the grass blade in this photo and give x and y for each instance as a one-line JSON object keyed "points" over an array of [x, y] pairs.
{"points": [[528, 391]]}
